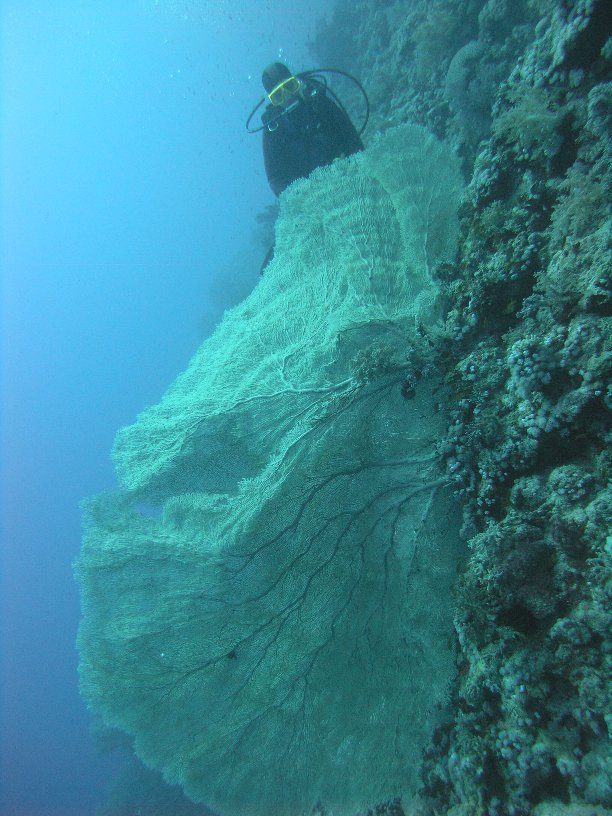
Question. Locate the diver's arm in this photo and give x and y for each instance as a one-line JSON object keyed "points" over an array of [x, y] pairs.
{"points": [[346, 136], [276, 161]]}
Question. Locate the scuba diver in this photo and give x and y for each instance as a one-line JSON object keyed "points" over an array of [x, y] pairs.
{"points": [[304, 124]]}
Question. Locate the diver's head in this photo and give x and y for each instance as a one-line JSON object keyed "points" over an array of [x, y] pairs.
{"points": [[280, 84], [273, 75]]}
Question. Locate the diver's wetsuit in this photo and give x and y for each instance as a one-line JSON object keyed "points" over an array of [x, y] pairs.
{"points": [[309, 133]]}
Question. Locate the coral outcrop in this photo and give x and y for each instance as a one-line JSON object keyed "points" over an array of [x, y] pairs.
{"points": [[523, 92]]}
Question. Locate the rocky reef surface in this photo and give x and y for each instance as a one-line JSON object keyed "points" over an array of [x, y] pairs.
{"points": [[523, 92]]}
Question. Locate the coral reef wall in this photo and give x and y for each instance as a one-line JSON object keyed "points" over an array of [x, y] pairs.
{"points": [[523, 90], [291, 508]]}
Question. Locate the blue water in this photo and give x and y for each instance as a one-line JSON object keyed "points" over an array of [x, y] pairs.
{"points": [[128, 184]]}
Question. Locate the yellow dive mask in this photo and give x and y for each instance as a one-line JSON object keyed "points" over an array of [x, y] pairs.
{"points": [[283, 92]]}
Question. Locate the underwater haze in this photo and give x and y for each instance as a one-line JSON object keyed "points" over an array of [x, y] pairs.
{"points": [[128, 185]]}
